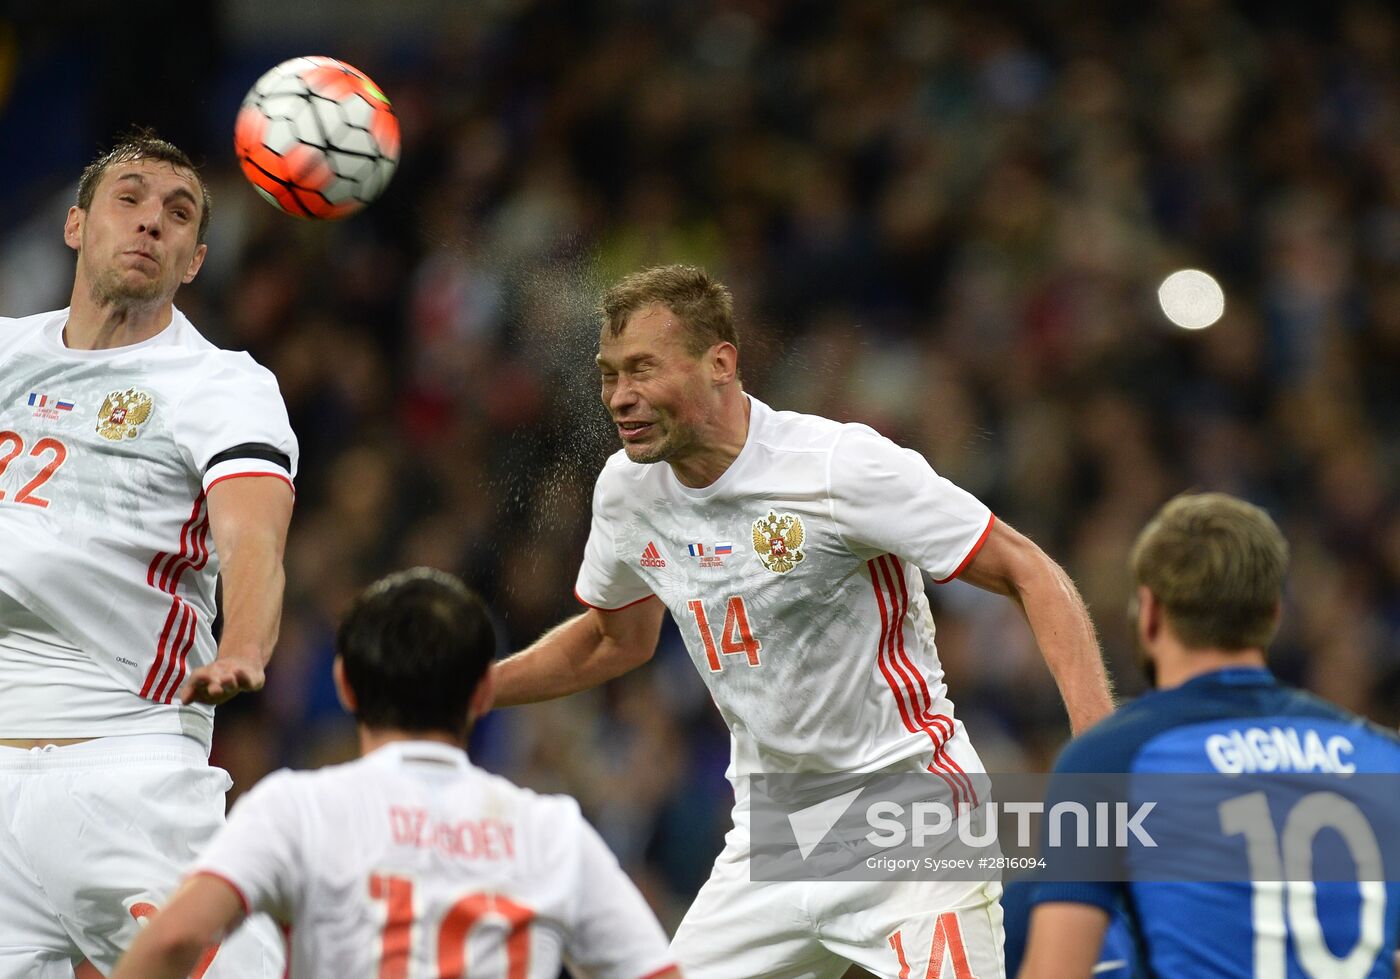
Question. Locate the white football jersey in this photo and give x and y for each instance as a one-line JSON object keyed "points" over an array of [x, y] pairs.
{"points": [[795, 581], [107, 569], [413, 863]]}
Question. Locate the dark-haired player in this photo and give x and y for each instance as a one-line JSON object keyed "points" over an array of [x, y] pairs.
{"points": [[411, 861], [139, 464]]}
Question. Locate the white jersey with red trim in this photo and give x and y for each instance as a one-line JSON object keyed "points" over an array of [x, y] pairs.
{"points": [[412, 861], [107, 570], [795, 581]]}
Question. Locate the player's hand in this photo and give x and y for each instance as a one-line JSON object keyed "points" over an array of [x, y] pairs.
{"points": [[222, 680]]}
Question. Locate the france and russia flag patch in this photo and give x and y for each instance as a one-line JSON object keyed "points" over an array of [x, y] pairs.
{"points": [[44, 401], [719, 550]]}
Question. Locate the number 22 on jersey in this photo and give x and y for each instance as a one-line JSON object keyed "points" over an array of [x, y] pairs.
{"points": [[12, 445], [735, 638]]}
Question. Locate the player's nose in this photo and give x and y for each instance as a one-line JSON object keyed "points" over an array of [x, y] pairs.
{"points": [[622, 394], [148, 220]]}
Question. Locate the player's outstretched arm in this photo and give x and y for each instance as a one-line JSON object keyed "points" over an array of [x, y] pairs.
{"points": [[1064, 941], [1009, 563], [581, 653], [198, 916], [248, 517]]}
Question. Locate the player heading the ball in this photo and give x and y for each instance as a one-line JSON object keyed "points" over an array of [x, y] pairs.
{"points": [[790, 550]]}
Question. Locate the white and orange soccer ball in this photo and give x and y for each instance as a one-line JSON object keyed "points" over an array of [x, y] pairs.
{"points": [[317, 138]]}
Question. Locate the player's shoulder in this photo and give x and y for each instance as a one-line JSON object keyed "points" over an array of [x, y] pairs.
{"points": [[212, 362], [1230, 696], [15, 330], [622, 482], [20, 324], [798, 431]]}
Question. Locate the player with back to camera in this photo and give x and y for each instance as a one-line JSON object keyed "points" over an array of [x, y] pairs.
{"points": [[128, 447], [411, 861], [1208, 572], [788, 549]]}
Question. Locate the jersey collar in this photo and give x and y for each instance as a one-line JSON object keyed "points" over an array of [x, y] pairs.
{"points": [[1233, 676], [53, 336], [433, 753]]}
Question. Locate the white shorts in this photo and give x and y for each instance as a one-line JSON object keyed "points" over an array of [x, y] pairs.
{"points": [[95, 836], [817, 929]]}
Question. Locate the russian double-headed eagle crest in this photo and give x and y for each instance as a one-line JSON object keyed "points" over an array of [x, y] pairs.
{"points": [[777, 540], [123, 413]]}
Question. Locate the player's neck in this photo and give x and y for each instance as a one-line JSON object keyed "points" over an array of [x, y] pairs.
{"points": [[372, 739], [1182, 665], [719, 445], [94, 324]]}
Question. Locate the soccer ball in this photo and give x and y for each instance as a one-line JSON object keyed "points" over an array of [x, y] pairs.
{"points": [[317, 138]]}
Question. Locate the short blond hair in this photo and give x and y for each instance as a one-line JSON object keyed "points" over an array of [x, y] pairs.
{"points": [[1216, 563], [700, 302]]}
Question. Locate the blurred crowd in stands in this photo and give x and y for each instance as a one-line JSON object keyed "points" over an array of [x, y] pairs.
{"points": [[943, 221]]}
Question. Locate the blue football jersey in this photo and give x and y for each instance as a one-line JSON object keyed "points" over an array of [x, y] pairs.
{"points": [[1253, 915]]}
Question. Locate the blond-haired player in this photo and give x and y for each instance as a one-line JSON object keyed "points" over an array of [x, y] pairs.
{"points": [[788, 549], [138, 464], [411, 861]]}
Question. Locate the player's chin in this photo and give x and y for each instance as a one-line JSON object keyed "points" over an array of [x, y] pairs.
{"points": [[646, 452]]}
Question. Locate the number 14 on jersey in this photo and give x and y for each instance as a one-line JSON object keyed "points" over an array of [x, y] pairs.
{"points": [[736, 637]]}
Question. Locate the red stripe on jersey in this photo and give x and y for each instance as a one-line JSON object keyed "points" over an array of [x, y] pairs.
{"points": [[160, 649], [189, 548], [160, 694], [184, 543], [656, 972], [238, 891], [880, 649], [199, 554], [246, 475], [161, 556], [991, 519], [892, 621], [926, 710], [184, 656], [604, 608], [918, 691]]}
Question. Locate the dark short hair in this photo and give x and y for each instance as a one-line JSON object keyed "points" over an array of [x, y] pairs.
{"points": [[700, 302], [415, 646], [142, 144], [1216, 563]]}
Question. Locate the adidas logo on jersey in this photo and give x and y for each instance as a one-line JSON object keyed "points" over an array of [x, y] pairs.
{"points": [[651, 557]]}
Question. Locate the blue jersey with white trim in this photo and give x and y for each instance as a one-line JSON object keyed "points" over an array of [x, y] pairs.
{"points": [[1240, 722]]}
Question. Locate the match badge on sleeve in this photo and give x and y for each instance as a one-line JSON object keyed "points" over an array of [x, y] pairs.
{"points": [[777, 540], [123, 413]]}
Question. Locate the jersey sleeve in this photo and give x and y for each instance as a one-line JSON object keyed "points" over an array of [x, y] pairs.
{"points": [[616, 935], [256, 850], [888, 500], [1094, 755], [233, 422], [603, 581]]}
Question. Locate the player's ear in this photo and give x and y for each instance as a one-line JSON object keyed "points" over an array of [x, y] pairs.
{"points": [[484, 696], [195, 262], [342, 687], [1149, 615], [724, 362], [73, 227]]}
